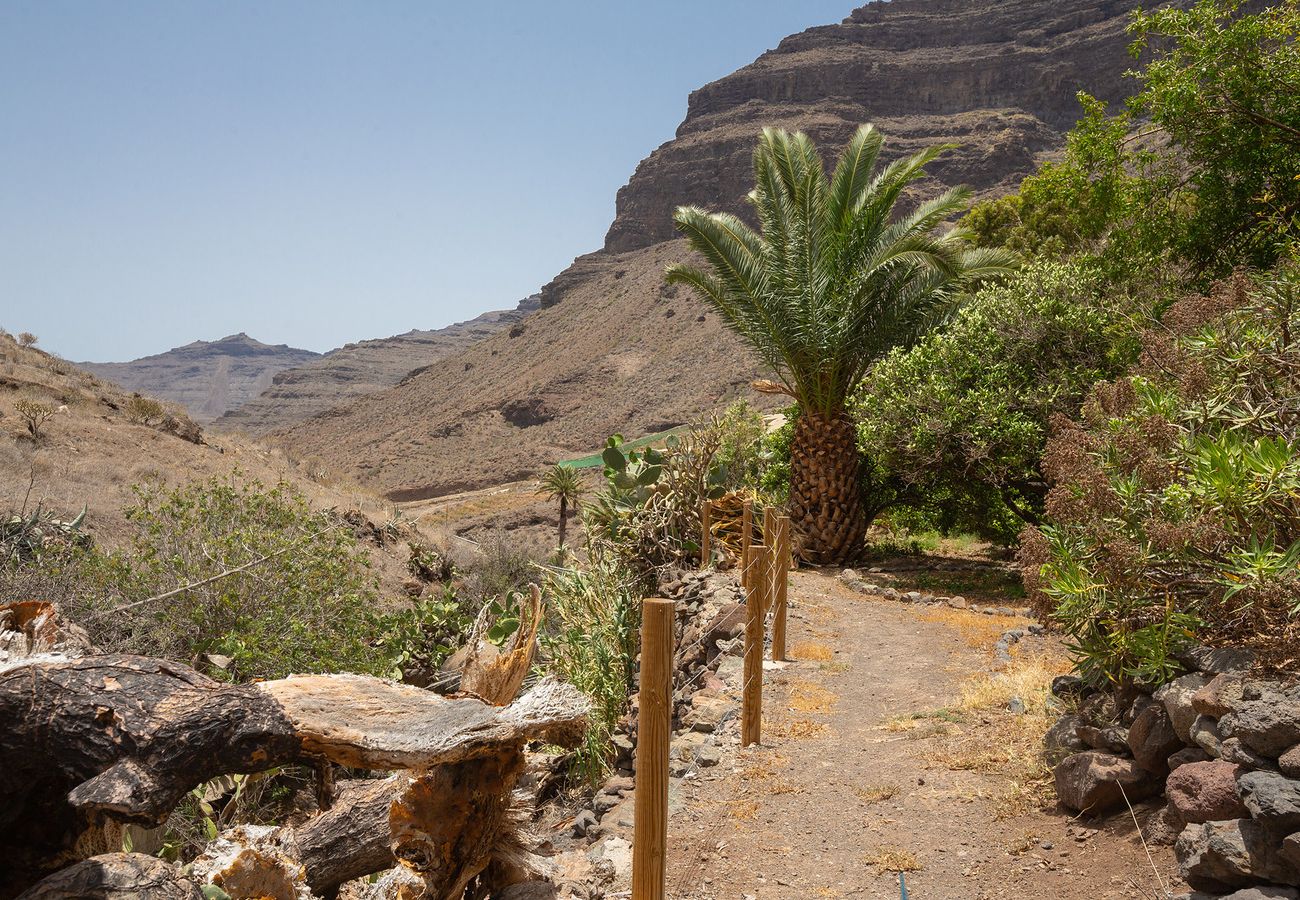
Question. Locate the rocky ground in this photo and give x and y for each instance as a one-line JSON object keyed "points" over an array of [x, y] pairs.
{"points": [[903, 736]]}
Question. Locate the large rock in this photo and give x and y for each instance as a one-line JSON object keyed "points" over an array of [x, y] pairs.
{"points": [[1153, 740], [1271, 798], [1290, 852], [1095, 782], [1238, 853], [1177, 699], [1205, 734], [1219, 696], [1205, 792], [1187, 755], [1217, 660], [1112, 739], [1264, 892], [1062, 739], [1267, 718], [1289, 762]]}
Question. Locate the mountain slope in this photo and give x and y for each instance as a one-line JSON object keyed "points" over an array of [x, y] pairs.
{"points": [[614, 350], [206, 377], [362, 368]]}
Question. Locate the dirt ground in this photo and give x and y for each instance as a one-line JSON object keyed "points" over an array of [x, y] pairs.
{"points": [[871, 764]]}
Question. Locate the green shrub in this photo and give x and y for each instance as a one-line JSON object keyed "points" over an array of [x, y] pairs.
{"points": [[961, 418], [740, 457], [268, 582], [144, 410], [1175, 511]]}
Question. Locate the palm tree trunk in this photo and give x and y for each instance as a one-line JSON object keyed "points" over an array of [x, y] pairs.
{"points": [[564, 515], [826, 507]]}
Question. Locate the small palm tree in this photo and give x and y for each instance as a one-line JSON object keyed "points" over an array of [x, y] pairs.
{"points": [[562, 483], [832, 282]]}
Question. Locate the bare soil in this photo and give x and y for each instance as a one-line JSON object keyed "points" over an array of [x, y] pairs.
{"points": [[870, 764]]}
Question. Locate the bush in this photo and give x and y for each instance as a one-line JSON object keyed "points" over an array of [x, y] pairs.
{"points": [[268, 583], [34, 415], [962, 417], [1175, 510], [740, 459], [27, 339], [144, 410]]}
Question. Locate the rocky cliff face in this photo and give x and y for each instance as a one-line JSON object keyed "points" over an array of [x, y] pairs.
{"points": [[206, 377], [998, 78], [362, 368], [614, 350]]}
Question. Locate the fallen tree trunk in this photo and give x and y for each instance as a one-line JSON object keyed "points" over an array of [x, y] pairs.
{"points": [[121, 738], [117, 876]]}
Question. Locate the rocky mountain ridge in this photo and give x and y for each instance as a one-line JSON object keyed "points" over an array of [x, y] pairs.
{"points": [[613, 348], [206, 377]]}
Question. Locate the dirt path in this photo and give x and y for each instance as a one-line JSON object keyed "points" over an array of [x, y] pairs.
{"points": [[848, 786]]}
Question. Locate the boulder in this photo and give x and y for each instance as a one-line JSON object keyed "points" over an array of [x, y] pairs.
{"points": [[727, 624], [1272, 799], [1177, 699], [1217, 660], [1264, 892], [1289, 762], [709, 713], [1238, 853], [1220, 694], [1205, 734], [1062, 739], [1095, 782], [1290, 852], [1234, 751], [1069, 686], [1205, 792], [1113, 739], [1152, 739], [1187, 755], [1267, 718]]}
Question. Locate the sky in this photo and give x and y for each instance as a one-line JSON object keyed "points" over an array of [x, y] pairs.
{"points": [[320, 172]]}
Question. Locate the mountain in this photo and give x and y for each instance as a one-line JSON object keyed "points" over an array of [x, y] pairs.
{"points": [[362, 368], [206, 377], [612, 348]]}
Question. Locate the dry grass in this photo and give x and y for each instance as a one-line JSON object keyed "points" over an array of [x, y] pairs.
{"points": [[810, 697], [742, 810], [893, 859], [876, 793], [813, 651], [798, 729], [977, 630], [834, 668]]}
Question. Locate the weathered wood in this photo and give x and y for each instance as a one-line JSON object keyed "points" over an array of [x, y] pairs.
{"points": [[654, 732], [706, 533], [751, 711], [124, 738], [769, 539], [781, 586], [352, 839], [116, 876], [746, 542], [497, 679]]}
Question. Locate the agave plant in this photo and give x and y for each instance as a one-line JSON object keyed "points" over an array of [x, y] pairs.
{"points": [[831, 282]]}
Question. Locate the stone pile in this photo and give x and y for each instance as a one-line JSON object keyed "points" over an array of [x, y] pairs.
{"points": [[869, 583], [1224, 749]]}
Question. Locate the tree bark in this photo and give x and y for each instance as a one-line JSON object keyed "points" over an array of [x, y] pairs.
{"points": [[121, 738], [116, 876], [826, 509]]}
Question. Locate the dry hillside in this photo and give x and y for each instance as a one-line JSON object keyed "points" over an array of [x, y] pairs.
{"points": [[89, 453]]}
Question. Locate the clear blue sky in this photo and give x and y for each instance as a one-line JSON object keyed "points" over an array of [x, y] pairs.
{"points": [[320, 172]]}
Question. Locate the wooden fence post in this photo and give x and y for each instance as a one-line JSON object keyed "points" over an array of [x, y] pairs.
{"points": [[706, 533], [781, 574], [654, 730], [746, 534], [751, 711], [769, 540]]}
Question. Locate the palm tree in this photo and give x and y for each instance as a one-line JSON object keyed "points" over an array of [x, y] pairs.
{"points": [[832, 281], [561, 482]]}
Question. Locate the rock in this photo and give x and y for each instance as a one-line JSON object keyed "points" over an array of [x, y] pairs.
{"points": [[1237, 853], [1113, 739], [708, 714], [1219, 695], [959, 602], [726, 625], [1233, 750], [1216, 660], [1272, 799], [1289, 762], [584, 822], [912, 596], [1187, 755], [1016, 706], [1264, 892], [847, 576], [1205, 792], [1152, 739], [1266, 719], [731, 670], [1062, 739], [1290, 852], [1068, 686], [1177, 699], [707, 756], [1205, 734], [528, 890], [617, 854], [1090, 782]]}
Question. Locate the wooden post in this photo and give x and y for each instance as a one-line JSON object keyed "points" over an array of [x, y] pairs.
{"points": [[654, 730], [769, 540], [746, 535], [751, 711], [781, 574], [706, 533]]}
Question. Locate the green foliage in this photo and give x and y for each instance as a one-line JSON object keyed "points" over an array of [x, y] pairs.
{"points": [[832, 281], [740, 461], [268, 582], [962, 417], [144, 410], [25, 535], [1176, 506], [591, 641], [1199, 169], [417, 640]]}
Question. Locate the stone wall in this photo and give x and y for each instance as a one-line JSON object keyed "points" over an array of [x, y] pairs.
{"points": [[1221, 745]]}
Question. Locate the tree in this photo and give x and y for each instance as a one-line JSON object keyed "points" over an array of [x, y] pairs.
{"points": [[832, 282], [561, 482]]}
